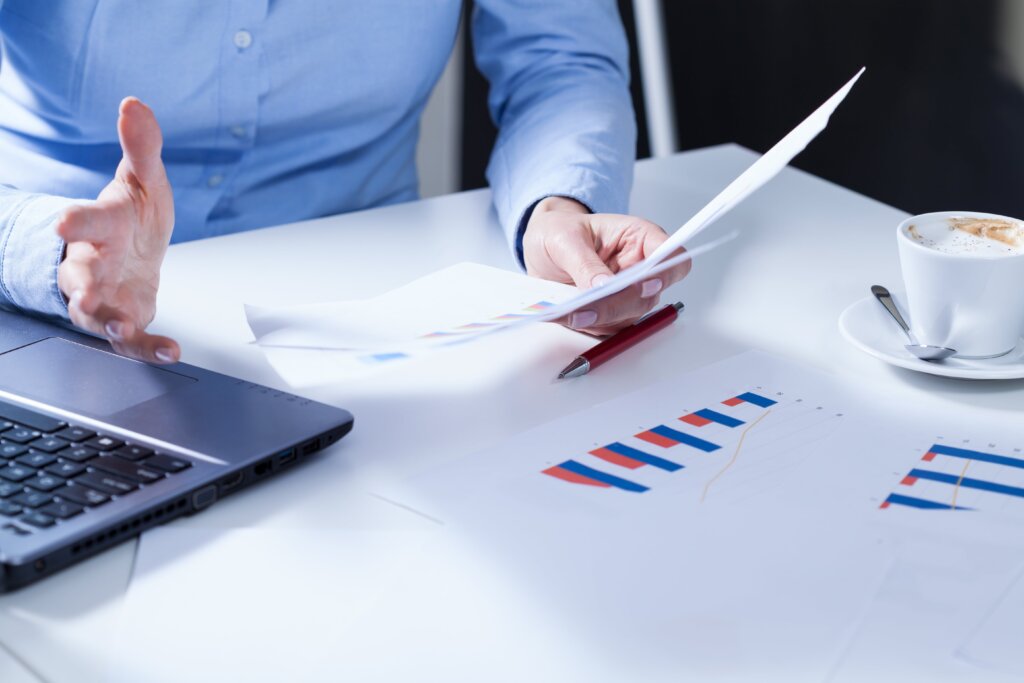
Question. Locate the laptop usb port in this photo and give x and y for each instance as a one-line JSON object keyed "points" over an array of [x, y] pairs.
{"points": [[285, 458]]}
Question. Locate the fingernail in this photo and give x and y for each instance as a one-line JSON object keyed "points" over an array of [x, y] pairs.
{"points": [[582, 319], [165, 355], [599, 280], [651, 287], [76, 298], [115, 330]]}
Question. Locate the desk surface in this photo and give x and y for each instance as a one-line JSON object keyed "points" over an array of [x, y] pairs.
{"points": [[808, 249]]}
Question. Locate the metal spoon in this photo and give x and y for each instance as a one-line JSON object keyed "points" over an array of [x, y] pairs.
{"points": [[922, 351]]}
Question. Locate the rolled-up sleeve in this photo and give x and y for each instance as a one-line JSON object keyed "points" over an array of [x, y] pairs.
{"points": [[31, 251], [559, 78]]}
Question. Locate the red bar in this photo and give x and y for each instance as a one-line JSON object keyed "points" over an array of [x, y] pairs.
{"points": [[884, 505], [656, 439], [735, 401], [617, 458], [909, 480], [695, 420], [929, 456], [565, 475]]}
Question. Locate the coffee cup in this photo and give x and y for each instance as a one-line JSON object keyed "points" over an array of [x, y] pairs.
{"points": [[964, 278]]}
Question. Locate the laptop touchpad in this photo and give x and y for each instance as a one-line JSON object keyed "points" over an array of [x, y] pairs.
{"points": [[81, 379]]}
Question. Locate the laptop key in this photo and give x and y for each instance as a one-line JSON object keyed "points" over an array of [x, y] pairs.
{"points": [[8, 508], [104, 443], [9, 449], [37, 459], [49, 444], [79, 453], [61, 509], [129, 470], [44, 482], [30, 418], [82, 495], [133, 452], [167, 463], [37, 519], [8, 488], [21, 435], [75, 434], [66, 469], [106, 483], [31, 499], [15, 472]]}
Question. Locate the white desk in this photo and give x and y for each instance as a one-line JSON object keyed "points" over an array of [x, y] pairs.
{"points": [[808, 249]]}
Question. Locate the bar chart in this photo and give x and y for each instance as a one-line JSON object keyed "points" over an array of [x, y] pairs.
{"points": [[669, 447], [958, 478]]}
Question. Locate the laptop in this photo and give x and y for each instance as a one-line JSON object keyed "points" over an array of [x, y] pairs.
{"points": [[96, 448]]}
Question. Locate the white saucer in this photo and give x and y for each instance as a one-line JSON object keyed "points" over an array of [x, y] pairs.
{"points": [[866, 325]]}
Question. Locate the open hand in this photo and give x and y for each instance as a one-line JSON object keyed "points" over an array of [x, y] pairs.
{"points": [[566, 243], [111, 268]]}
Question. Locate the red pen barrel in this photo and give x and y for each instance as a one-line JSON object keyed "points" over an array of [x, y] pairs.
{"points": [[631, 336]]}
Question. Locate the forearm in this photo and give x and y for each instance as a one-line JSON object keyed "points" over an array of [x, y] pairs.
{"points": [[30, 251], [560, 96]]}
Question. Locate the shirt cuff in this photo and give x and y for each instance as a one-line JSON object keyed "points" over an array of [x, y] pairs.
{"points": [[589, 189], [31, 255]]}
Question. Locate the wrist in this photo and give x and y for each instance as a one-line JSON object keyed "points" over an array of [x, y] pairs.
{"points": [[561, 204]]}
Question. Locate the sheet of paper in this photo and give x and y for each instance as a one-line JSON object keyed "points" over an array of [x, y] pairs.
{"points": [[531, 596], [762, 170], [446, 306], [930, 602], [996, 644], [761, 437]]}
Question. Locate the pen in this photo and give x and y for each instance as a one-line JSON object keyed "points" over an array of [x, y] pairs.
{"points": [[622, 340]]}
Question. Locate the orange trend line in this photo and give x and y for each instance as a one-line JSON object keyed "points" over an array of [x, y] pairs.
{"points": [[956, 489], [735, 455]]}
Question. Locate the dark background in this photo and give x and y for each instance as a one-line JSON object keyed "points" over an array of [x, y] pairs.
{"points": [[936, 123]]}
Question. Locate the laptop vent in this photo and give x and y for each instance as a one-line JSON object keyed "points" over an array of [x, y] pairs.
{"points": [[130, 527]]}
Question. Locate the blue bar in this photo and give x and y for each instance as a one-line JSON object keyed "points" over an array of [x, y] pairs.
{"points": [[939, 449], [623, 449], [910, 501], [683, 437], [719, 418], [598, 475], [968, 483], [756, 399]]}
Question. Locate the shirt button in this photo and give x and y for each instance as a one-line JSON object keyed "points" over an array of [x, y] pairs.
{"points": [[243, 39], [215, 180], [239, 131]]}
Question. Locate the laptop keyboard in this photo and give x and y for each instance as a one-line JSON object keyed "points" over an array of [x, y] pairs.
{"points": [[51, 471]]}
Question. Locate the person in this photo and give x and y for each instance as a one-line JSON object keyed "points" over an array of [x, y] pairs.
{"points": [[277, 111]]}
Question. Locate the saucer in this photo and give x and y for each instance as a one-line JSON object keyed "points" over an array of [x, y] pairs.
{"points": [[866, 325]]}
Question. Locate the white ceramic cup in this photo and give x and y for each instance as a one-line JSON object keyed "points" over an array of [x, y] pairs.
{"points": [[970, 302]]}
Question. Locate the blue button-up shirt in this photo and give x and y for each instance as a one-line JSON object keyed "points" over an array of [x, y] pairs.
{"points": [[276, 111]]}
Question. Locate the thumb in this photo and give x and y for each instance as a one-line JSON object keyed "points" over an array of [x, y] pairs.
{"points": [[141, 141], [579, 259]]}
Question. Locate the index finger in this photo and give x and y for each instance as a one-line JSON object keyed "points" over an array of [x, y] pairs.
{"points": [[675, 273]]}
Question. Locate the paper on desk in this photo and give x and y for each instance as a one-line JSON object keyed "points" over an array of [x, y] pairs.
{"points": [[997, 643], [447, 306], [452, 306]]}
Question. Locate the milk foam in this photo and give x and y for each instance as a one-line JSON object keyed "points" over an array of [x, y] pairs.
{"points": [[965, 236]]}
